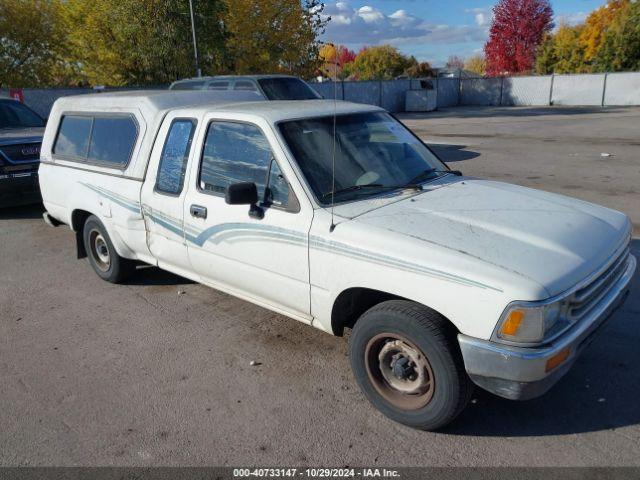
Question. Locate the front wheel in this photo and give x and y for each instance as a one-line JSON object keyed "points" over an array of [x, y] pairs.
{"points": [[407, 362], [102, 255]]}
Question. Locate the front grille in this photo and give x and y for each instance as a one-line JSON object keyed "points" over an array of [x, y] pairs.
{"points": [[585, 299], [23, 152]]}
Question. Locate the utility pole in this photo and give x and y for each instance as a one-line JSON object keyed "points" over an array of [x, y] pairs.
{"points": [[195, 43]]}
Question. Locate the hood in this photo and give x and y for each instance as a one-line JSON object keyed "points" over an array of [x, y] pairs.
{"points": [[553, 240], [10, 136]]}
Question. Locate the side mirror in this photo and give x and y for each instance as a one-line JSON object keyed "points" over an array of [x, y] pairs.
{"points": [[242, 194], [245, 194]]}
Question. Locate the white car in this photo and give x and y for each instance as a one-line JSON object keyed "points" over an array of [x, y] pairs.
{"points": [[336, 215], [270, 87]]}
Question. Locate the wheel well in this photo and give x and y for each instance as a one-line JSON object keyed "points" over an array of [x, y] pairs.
{"points": [[352, 303], [78, 218]]}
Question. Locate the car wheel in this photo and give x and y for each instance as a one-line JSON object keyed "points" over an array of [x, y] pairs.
{"points": [[102, 255], [406, 359]]}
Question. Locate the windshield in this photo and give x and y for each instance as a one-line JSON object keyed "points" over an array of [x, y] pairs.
{"points": [[287, 89], [374, 153], [15, 115]]}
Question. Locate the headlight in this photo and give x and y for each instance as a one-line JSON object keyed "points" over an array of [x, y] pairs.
{"points": [[526, 322]]}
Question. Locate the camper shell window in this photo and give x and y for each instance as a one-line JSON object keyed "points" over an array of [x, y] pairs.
{"points": [[104, 140]]}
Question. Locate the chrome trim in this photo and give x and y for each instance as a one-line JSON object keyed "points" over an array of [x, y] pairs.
{"points": [[11, 161], [521, 365]]}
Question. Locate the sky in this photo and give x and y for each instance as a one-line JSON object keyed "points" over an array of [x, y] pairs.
{"points": [[431, 30]]}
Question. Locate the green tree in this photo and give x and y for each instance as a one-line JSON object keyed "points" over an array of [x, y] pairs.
{"points": [[141, 42], [29, 35], [620, 50], [380, 63], [546, 58], [268, 36], [562, 52], [569, 51]]}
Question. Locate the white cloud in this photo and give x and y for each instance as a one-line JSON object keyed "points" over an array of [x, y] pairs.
{"points": [[483, 16], [369, 26]]}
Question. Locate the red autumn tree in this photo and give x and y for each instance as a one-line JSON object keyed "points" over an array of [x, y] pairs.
{"points": [[516, 33], [345, 55]]}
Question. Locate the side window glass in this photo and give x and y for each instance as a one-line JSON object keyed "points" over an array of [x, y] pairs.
{"points": [[218, 86], [278, 189], [105, 140], [188, 86], [112, 140], [234, 153], [244, 85], [175, 154], [73, 137]]}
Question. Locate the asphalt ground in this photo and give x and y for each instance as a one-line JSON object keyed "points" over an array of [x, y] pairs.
{"points": [[157, 371]]}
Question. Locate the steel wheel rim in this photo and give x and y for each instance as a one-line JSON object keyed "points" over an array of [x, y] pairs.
{"points": [[399, 371], [100, 250]]}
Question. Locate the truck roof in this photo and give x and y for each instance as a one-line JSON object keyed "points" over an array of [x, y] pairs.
{"points": [[236, 77], [156, 101], [278, 110], [153, 103]]}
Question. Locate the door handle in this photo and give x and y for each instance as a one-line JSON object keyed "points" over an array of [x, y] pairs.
{"points": [[198, 211]]}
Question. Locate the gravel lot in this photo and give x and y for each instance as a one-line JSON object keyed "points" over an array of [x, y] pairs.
{"points": [[138, 374]]}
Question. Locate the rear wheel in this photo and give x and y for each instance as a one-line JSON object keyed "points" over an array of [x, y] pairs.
{"points": [[407, 362], [102, 255]]}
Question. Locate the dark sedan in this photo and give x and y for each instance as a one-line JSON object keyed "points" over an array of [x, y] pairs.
{"points": [[21, 131]]}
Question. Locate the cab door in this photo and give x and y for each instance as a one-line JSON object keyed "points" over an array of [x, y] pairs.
{"points": [[261, 258], [163, 193]]}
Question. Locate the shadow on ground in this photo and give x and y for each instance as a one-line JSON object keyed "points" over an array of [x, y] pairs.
{"points": [[23, 212], [154, 276], [600, 392], [453, 153], [486, 112]]}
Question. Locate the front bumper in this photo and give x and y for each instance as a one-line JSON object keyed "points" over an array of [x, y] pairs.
{"points": [[19, 189], [520, 373]]}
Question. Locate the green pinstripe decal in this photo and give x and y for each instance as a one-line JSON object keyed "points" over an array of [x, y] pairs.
{"points": [[242, 231]]}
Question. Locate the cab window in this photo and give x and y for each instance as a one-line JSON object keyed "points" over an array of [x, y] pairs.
{"points": [[239, 152], [175, 154]]}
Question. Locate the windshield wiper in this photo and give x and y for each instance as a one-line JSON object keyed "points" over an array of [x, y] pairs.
{"points": [[422, 176], [353, 188], [428, 175]]}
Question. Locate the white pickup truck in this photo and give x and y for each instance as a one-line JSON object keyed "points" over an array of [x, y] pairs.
{"points": [[336, 215]]}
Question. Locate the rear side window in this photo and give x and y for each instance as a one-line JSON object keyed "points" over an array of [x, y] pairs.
{"points": [[197, 85], [218, 85], [112, 140], [244, 85], [73, 137], [175, 154], [105, 140]]}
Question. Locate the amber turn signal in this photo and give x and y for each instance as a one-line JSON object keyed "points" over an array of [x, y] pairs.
{"points": [[512, 323], [558, 358]]}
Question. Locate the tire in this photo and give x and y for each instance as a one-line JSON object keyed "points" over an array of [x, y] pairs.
{"points": [[407, 361], [102, 255]]}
